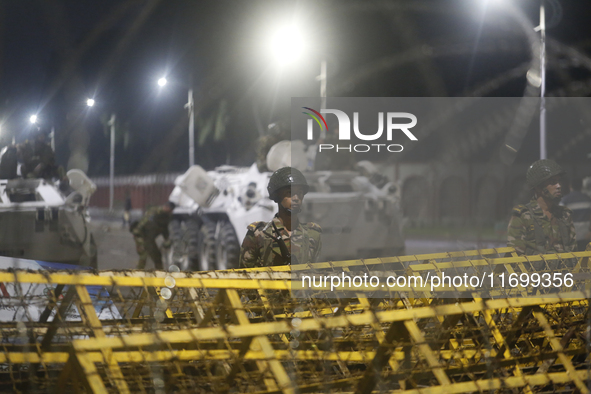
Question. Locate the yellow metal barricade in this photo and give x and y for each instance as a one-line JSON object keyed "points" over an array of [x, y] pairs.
{"points": [[249, 331]]}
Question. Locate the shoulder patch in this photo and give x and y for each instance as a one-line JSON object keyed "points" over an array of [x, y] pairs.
{"points": [[255, 225], [518, 210], [314, 226]]}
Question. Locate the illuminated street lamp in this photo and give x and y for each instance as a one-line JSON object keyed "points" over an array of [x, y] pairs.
{"points": [[288, 45], [89, 102], [33, 119], [190, 106]]}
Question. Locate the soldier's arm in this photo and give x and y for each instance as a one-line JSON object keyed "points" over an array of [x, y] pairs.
{"points": [[318, 249], [573, 234], [141, 224], [516, 234], [317, 236], [249, 252]]}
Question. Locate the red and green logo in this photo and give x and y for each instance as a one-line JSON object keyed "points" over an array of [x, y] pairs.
{"points": [[315, 116]]}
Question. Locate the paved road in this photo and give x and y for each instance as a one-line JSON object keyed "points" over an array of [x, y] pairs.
{"points": [[421, 246], [116, 249]]}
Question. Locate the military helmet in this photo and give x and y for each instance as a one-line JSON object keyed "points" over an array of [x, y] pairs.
{"points": [[541, 171], [284, 177]]}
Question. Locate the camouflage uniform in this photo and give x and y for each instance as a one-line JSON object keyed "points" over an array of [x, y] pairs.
{"points": [[532, 232], [261, 249], [154, 222]]}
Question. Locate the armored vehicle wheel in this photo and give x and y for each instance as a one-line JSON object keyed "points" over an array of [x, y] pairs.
{"points": [[184, 234], [206, 247], [177, 253], [192, 236], [227, 251]]}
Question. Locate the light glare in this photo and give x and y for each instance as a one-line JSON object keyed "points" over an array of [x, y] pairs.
{"points": [[33, 119], [90, 102], [162, 81], [287, 44]]}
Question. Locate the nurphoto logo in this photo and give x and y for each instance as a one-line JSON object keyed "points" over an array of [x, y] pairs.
{"points": [[393, 124]]}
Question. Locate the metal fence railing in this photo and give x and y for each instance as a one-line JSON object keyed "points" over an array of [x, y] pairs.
{"points": [[253, 331]]}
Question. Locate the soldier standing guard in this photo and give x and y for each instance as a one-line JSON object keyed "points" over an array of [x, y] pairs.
{"points": [[283, 240], [542, 225], [154, 223]]}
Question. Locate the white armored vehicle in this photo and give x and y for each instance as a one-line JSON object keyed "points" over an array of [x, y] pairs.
{"points": [[39, 222], [213, 210], [360, 218]]}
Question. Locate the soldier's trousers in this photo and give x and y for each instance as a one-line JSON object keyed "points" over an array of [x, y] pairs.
{"points": [[147, 247]]}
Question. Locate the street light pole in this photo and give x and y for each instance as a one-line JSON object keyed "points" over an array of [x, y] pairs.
{"points": [[112, 162], [543, 153], [191, 108], [53, 138], [322, 78]]}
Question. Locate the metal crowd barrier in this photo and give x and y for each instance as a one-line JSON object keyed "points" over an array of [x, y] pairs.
{"points": [[246, 331]]}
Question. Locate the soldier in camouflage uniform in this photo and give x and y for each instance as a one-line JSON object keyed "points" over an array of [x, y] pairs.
{"points": [[283, 240], [542, 225], [154, 223], [38, 159]]}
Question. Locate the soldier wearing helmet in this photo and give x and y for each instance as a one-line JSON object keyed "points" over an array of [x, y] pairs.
{"points": [[283, 240], [542, 225]]}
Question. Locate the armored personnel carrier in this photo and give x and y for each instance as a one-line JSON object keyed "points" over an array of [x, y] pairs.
{"points": [[40, 222], [213, 210], [359, 216]]}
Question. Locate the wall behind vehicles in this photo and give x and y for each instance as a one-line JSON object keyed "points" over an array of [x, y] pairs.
{"points": [[457, 193], [145, 190], [464, 193]]}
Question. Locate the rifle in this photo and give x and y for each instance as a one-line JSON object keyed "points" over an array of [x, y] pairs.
{"points": [[283, 247]]}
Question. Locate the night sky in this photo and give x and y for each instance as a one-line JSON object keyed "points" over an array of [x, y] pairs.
{"points": [[53, 55]]}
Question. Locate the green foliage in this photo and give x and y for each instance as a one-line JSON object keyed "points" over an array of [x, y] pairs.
{"points": [[213, 125], [122, 130]]}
